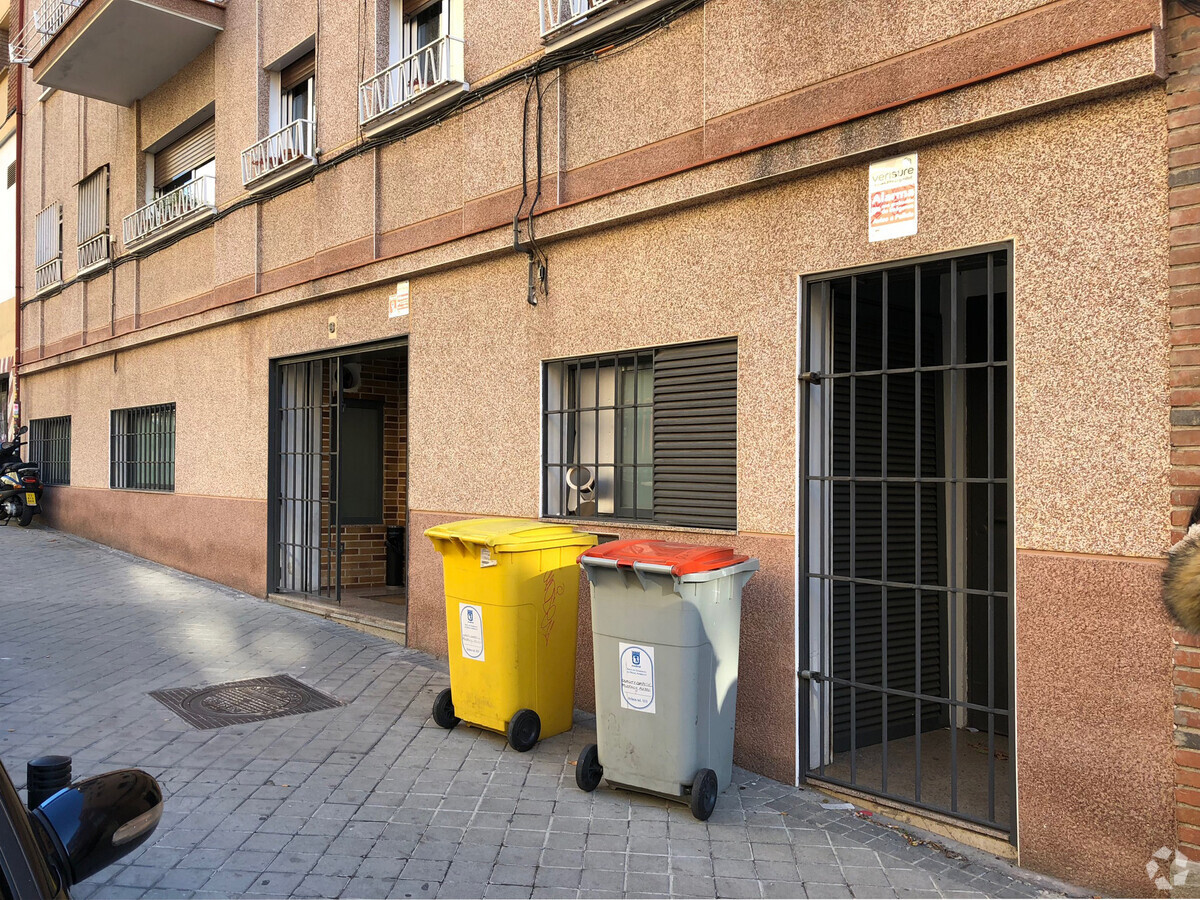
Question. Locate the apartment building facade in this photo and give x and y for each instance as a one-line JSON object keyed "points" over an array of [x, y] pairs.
{"points": [[891, 297]]}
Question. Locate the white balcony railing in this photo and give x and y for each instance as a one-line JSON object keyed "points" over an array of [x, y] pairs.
{"points": [[93, 251], [48, 274], [438, 62], [199, 194], [40, 28], [42, 24], [289, 145], [560, 14]]}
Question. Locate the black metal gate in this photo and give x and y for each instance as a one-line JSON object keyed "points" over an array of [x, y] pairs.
{"points": [[906, 542], [306, 445]]}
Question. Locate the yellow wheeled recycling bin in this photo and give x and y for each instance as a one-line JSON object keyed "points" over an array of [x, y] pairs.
{"points": [[512, 606]]}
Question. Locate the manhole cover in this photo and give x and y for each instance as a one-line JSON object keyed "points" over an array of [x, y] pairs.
{"points": [[239, 702]]}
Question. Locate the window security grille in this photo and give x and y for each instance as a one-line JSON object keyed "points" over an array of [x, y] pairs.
{"points": [[92, 236], [647, 435], [142, 455], [48, 247], [50, 448]]}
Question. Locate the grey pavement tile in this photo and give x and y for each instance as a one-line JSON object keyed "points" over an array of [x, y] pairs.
{"points": [[367, 888], [734, 868], [296, 863], [608, 881], [230, 882], [782, 890], [644, 882], [519, 856], [561, 879], [737, 888], [320, 886], [693, 886], [832, 891], [381, 867], [138, 876], [424, 870], [513, 875], [413, 889], [507, 891], [818, 874], [691, 865], [330, 864], [466, 890]]}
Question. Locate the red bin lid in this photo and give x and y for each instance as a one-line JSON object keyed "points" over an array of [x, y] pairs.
{"points": [[684, 559]]}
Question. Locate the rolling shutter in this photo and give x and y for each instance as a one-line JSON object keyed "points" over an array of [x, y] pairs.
{"points": [[189, 152], [695, 435], [298, 72]]}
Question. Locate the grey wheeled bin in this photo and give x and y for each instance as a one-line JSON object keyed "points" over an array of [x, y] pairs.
{"points": [[665, 625]]}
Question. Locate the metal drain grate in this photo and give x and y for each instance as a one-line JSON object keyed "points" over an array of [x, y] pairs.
{"points": [[241, 702]]}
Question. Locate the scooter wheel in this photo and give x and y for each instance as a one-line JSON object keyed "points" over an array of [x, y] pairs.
{"points": [[524, 729], [443, 710], [588, 770], [704, 794], [26, 515]]}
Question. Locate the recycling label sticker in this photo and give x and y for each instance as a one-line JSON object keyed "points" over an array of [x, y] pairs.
{"points": [[637, 677], [470, 627], [485, 558]]}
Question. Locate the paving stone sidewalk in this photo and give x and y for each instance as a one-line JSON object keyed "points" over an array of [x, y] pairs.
{"points": [[372, 799]]}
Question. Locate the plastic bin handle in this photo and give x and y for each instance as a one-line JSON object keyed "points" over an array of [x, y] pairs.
{"points": [[655, 568]]}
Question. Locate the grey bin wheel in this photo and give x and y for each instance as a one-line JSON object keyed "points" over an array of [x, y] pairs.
{"points": [[588, 771], [704, 794], [524, 729], [443, 710]]}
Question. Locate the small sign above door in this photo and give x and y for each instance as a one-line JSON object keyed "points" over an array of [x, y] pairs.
{"points": [[398, 302], [892, 200]]}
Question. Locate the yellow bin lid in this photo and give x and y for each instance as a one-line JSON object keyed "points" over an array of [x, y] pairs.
{"points": [[511, 535]]}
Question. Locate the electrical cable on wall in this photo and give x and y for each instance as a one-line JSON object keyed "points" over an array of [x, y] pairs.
{"points": [[599, 48]]}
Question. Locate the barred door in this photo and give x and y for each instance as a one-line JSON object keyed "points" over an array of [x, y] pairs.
{"points": [[906, 548], [307, 438]]}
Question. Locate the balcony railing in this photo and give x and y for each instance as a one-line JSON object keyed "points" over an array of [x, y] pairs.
{"points": [[155, 218], [93, 251], [438, 62], [560, 14], [288, 146], [40, 28], [42, 24], [48, 274]]}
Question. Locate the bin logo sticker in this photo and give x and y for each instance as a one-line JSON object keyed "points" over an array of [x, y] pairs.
{"points": [[637, 677], [470, 627], [485, 558]]}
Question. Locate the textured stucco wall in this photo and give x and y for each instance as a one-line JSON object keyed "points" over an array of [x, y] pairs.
{"points": [[1090, 358]]}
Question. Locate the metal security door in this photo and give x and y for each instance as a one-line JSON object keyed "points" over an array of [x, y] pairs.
{"points": [[306, 444], [906, 549]]}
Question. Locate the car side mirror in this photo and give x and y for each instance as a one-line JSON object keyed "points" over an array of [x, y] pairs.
{"points": [[95, 822]]}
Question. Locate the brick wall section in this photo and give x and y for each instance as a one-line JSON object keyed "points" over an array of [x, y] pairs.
{"points": [[1183, 122], [364, 559]]}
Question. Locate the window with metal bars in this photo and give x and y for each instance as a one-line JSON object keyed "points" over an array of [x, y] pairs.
{"points": [[50, 448], [142, 453], [48, 247], [643, 436], [92, 236]]}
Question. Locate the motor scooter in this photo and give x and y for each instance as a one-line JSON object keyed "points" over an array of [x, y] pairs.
{"points": [[20, 483]]}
